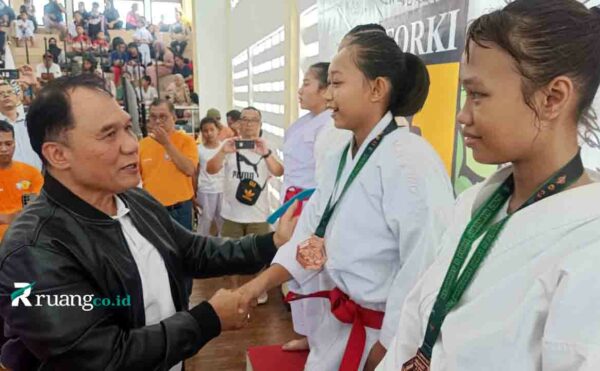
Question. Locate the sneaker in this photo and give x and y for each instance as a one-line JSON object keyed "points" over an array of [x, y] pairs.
{"points": [[262, 299]]}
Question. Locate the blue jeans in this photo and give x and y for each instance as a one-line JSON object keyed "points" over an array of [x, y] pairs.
{"points": [[182, 214]]}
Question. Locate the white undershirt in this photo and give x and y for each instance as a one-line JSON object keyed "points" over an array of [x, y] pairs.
{"points": [[158, 302]]}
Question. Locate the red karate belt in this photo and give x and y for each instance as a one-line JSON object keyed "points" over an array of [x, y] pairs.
{"points": [[347, 311]]}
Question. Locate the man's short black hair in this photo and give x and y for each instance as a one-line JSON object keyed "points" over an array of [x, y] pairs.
{"points": [[50, 113], [5, 127], [250, 108], [157, 102], [234, 114]]}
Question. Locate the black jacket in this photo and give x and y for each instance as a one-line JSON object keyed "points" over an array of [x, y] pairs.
{"points": [[66, 246]]}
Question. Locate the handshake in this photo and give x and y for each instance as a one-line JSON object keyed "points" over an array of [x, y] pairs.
{"points": [[234, 307]]}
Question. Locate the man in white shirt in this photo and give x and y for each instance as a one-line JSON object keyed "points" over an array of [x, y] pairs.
{"points": [[11, 110], [47, 70], [244, 159], [149, 93]]}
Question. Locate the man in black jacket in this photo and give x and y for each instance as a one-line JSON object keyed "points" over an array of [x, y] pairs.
{"points": [[91, 272]]}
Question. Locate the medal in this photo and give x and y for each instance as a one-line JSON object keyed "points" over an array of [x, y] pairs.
{"points": [[417, 363], [311, 253]]}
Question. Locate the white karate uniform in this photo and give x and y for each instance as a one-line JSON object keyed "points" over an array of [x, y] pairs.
{"points": [[533, 304], [301, 156], [380, 238]]}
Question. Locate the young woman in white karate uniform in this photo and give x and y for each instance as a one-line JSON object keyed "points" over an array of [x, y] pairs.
{"points": [[376, 215], [515, 286]]}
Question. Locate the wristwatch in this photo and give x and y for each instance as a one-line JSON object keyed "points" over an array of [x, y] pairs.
{"points": [[268, 154]]}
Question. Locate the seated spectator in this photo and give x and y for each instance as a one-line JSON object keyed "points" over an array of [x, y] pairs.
{"points": [[165, 61], [118, 59], [144, 40], [149, 93], [95, 20], [178, 92], [6, 32], [30, 9], [19, 182], [56, 52], [24, 29], [81, 9], [180, 34], [162, 25], [116, 41], [135, 66], [89, 65], [47, 70], [100, 44], [111, 16], [182, 69], [53, 17], [76, 22], [6, 9], [133, 19], [81, 43]]}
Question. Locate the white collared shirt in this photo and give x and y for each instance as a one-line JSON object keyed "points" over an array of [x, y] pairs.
{"points": [[23, 150], [158, 302]]}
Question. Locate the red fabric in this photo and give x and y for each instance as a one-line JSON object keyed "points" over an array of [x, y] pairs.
{"points": [[347, 311], [272, 357], [291, 192]]}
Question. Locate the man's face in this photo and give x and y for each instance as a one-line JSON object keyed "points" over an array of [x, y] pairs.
{"points": [[8, 98], [52, 42], [101, 151], [250, 123], [7, 148], [179, 62], [161, 116], [145, 83], [80, 30], [122, 48], [48, 60]]}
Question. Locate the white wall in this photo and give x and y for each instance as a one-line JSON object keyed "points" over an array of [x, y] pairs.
{"points": [[211, 18]]}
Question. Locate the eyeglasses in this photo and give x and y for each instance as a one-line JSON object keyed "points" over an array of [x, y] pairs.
{"points": [[7, 93], [158, 117], [248, 121]]}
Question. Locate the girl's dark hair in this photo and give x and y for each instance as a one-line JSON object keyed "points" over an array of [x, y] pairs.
{"points": [[547, 39], [320, 69], [209, 120], [377, 55]]}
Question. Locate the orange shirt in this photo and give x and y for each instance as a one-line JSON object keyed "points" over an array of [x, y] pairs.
{"points": [[15, 181], [160, 177], [226, 132]]}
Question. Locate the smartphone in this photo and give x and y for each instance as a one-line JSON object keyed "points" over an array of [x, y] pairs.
{"points": [[244, 144], [9, 74]]}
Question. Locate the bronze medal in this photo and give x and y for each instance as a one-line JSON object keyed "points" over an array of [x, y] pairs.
{"points": [[311, 253], [417, 363]]}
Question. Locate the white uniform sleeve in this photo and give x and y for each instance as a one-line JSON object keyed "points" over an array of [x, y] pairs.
{"points": [[307, 224], [417, 203], [571, 339]]}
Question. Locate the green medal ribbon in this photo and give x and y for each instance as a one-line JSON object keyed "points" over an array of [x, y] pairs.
{"points": [[373, 144], [454, 286]]}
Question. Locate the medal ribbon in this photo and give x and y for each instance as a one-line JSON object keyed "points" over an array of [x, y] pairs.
{"points": [[454, 286]]}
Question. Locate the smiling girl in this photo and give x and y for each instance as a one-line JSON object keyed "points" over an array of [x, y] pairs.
{"points": [[368, 231]]}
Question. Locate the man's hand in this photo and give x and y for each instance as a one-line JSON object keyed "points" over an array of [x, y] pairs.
{"points": [[375, 356], [261, 147], [27, 76], [160, 135], [249, 294], [229, 146], [232, 312], [286, 226]]}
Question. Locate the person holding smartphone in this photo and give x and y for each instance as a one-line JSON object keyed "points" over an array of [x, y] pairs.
{"points": [[248, 164]]}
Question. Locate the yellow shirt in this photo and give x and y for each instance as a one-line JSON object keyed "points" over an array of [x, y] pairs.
{"points": [[15, 181], [160, 177]]}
